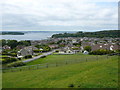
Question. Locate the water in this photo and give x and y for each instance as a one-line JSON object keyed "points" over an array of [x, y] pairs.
{"points": [[33, 35]]}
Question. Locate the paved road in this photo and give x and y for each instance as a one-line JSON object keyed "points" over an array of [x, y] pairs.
{"points": [[37, 57]]}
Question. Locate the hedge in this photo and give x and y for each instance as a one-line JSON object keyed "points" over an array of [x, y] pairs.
{"points": [[101, 52], [9, 60], [28, 56], [37, 51], [15, 64]]}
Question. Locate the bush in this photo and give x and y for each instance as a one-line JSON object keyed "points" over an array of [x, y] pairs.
{"points": [[71, 85], [28, 56], [10, 54], [43, 56], [101, 52], [19, 58], [13, 54], [37, 51], [5, 57], [4, 53], [118, 51], [15, 64], [9, 60], [87, 48], [57, 51]]}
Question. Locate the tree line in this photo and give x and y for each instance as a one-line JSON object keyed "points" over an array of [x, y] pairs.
{"points": [[98, 34], [11, 33], [14, 43]]}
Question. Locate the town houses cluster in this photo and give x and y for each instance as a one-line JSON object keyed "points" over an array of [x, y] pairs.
{"points": [[68, 45]]}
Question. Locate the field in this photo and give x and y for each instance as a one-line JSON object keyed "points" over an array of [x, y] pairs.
{"points": [[51, 59], [95, 74]]}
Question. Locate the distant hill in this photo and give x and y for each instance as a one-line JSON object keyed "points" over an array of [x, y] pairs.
{"points": [[98, 34], [11, 33]]}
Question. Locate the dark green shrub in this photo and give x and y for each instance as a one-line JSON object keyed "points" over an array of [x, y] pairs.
{"points": [[71, 85], [5, 57], [13, 54], [15, 64], [9, 60], [28, 56], [37, 51], [87, 48], [19, 58], [101, 52], [4, 53], [57, 51], [43, 56], [118, 51]]}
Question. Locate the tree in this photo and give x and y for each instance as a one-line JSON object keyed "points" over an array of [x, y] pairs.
{"points": [[87, 48], [44, 47], [26, 43], [3, 42], [101, 52], [12, 43]]}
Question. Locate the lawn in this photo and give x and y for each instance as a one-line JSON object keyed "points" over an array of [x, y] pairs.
{"points": [[62, 58], [96, 74]]}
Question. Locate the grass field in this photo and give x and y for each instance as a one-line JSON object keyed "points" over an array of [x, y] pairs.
{"points": [[61, 58], [96, 74]]}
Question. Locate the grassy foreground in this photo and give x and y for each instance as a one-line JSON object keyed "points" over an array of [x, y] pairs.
{"points": [[96, 74]]}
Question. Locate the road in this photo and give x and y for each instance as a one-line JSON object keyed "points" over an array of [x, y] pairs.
{"points": [[37, 57]]}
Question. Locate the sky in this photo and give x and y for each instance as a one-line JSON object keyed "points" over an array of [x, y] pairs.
{"points": [[59, 15]]}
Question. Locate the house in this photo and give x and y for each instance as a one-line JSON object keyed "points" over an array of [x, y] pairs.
{"points": [[31, 48], [84, 44], [81, 48], [26, 51], [68, 50], [6, 47], [54, 46], [20, 47], [75, 49], [74, 41], [85, 52], [112, 47], [65, 50]]}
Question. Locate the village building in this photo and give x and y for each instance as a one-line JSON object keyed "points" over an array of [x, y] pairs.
{"points": [[69, 50], [26, 51], [6, 47], [112, 47], [20, 47], [85, 52], [55, 46]]}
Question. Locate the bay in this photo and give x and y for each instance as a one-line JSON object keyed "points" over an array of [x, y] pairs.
{"points": [[33, 35]]}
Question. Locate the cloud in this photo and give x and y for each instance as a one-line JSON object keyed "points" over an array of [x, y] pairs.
{"points": [[59, 14]]}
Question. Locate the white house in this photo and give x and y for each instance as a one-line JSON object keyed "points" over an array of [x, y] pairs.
{"points": [[74, 41], [6, 47], [24, 52], [85, 52]]}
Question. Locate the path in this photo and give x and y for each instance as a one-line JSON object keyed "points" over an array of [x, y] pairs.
{"points": [[37, 57]]}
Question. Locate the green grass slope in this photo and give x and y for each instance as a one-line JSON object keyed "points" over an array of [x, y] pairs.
{"points": [[63, 58], [96, 74]]}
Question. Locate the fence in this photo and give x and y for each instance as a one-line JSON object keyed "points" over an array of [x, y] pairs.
{"points": [[56, 64]]}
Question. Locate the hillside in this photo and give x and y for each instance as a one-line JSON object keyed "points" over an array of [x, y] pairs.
{"points": [[11, 33], [97, 74], [99, 34]]}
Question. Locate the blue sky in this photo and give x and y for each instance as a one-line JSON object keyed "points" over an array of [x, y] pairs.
{"points": [[59, 15]]}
